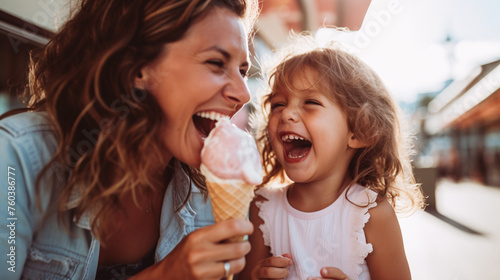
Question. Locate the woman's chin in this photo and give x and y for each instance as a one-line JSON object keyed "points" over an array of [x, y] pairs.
{"points": [[192, 157]]}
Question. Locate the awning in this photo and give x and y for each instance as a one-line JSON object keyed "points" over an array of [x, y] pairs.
{"points": [[467, 102]]}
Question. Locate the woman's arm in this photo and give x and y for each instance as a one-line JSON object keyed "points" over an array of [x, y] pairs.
{"points": [[259, 262], [388, 259], [202, 253]]}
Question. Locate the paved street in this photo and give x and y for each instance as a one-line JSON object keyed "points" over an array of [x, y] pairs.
{"points": [[461, 241]]}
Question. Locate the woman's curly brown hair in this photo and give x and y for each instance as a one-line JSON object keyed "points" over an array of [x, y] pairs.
{"points": [[107, 130]]}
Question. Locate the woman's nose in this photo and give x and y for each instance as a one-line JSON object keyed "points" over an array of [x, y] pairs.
{"points": [[237, 91]]}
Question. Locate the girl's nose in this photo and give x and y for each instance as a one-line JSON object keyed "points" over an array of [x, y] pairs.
{"points": [[289, 114]]}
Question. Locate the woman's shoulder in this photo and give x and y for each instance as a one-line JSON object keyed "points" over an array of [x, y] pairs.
{"points": [[28, 137], [27, 144], [27, 123]]}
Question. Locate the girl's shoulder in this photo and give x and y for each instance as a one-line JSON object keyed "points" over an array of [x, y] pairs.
{"points": [[268, 197], [362, 195], [270, 191]]}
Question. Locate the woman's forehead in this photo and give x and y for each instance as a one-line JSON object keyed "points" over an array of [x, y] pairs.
{"points": [[219, 29]]}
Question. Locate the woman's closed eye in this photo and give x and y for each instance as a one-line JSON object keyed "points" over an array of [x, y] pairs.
{"points": [[216, 63], [221, 66]]}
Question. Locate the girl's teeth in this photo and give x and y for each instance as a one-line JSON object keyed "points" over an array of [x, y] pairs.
{"points": [[290, 137], [212, 116], [299, 156]]}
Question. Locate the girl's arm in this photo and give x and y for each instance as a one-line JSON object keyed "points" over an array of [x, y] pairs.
{"points": [[259, 262], [388, 259]]}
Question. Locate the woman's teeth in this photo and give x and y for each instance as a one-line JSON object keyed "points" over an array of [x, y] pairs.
{"points": [[212, 116]]}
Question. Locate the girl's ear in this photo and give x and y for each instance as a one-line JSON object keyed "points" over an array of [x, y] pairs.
{"points": [[354, 143]]}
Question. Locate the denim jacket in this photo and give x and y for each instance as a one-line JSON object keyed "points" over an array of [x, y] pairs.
{"points": [[34, 244]]}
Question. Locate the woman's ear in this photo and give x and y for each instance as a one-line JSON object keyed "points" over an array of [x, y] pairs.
{"points": [[355, 143], [141, 80]]}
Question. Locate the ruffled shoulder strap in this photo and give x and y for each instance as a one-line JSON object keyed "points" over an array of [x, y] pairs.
{"points": [[358, 217], [268, 203]]}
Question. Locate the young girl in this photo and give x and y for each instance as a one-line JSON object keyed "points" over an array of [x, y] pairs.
{"points": [[332, 127]]}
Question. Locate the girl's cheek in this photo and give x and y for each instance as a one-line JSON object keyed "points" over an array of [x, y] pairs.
{"points": [[273, 123]]}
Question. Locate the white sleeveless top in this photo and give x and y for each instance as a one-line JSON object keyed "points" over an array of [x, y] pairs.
{"points": [[331, 237]]}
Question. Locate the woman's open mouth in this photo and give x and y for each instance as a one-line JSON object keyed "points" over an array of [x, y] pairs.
{"points": [[296, 147], [205, 121]]}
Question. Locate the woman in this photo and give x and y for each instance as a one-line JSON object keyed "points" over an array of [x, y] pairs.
{"points": [[102, 166]]}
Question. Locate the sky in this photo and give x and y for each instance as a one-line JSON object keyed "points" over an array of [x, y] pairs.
{"points": [[405, 41]]}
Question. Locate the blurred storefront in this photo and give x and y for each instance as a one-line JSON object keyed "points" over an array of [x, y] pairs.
{"points": [[463, 127], [20, 33], [279, 17]]}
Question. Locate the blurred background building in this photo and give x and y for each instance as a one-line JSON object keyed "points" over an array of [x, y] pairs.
{"points": [[439, 58], [19, 34]]}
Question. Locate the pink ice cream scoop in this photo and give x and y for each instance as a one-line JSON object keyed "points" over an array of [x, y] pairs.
{"points": [[231, 153]]}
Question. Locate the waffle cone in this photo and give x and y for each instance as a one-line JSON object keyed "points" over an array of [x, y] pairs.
{"points": [[230, 200]]}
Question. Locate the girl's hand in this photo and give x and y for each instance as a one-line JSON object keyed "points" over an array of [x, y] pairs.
{"points": [[272, 268], [330, 273], [202, 253]]}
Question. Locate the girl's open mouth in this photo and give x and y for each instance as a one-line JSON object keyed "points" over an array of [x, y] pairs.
{"points": [[296, 147]]}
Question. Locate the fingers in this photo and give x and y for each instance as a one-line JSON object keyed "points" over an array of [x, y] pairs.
{"points": [[333, 273], [227, 229], [272, 268], [228, 251], [205, 266], [235, 266], [270, 273], [201, 254], [277, 262], [330, 273], [208, 253], [232, 267]]}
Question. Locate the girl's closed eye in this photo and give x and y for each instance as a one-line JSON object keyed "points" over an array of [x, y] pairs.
{"points": [[313, 102], [276, 105]]}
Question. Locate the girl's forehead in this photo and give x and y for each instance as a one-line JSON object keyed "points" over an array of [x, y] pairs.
{"points": [[297, 92], [302, 81], [303, 77]]}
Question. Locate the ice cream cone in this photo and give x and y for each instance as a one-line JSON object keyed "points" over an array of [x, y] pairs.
{"points": [[231, 164], [230, 200]]}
